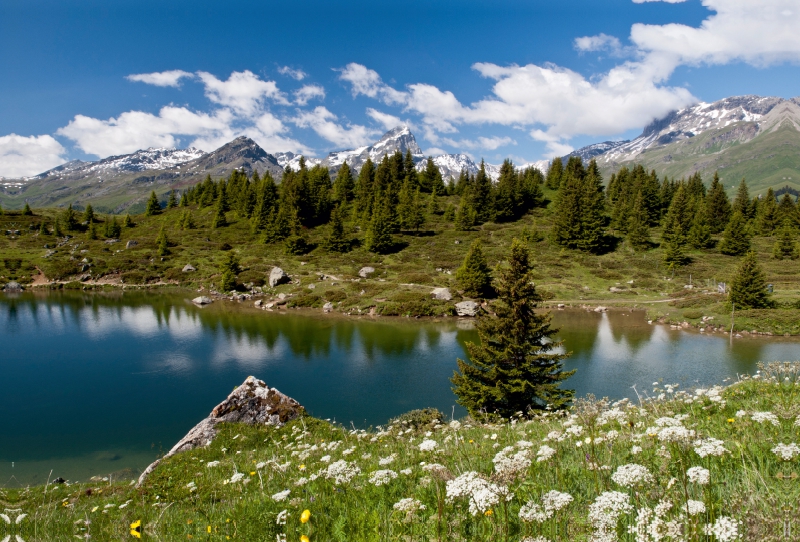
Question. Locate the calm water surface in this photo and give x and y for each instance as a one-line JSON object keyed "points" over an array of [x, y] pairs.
{"points": [[99, 383]]}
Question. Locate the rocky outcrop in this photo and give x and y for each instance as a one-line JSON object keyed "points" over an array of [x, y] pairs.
{"points": [[13, 287], [130, 244], [442, 294], [189, 268], [365, 272], [202, 300], [253, 403], [467, 308], [277, 276]]}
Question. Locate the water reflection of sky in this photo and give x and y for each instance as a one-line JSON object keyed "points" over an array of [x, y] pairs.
{"points": [[88, 373]]}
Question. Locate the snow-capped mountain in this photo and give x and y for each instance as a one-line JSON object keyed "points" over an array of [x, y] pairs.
{"points": [[143, 160], [398, 139]]}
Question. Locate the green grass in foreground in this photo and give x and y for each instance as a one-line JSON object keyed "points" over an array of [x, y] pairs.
{"points": [[711, 464]]}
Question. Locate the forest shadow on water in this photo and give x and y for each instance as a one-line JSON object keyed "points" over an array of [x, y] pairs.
{"points": [[99, 383]]}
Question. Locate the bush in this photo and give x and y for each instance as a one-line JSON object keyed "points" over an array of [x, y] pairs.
{"points": [[306, 300], [415, 278], [60, 269], [334, 296], [134, 277], [258, 278], [693, 315], [419, 418], [415, 308]]}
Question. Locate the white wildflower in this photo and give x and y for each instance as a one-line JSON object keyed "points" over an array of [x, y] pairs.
{"points": [[282, 515], [408, 505], [455, 425], [325, 459], [632, 475], [212, 463], [388, 460], [281, 495], [237, 477], [556, 500], [765, 417], [532, 512], [505, 463], [428, 445], [636, 450], [698, 475], [341, 472], [382, 477], [605, 511], [710, 446], [694, 508], [482, 494], [724, 529], [406, 472], [545, 453], [787, 452]]}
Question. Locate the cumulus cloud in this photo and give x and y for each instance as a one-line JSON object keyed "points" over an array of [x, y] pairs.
{"points": [[171, 78], [307, 93], [298, 75], [603, 42], [244, 92], [367, 82], [483, 143], [385, 119], [22, 156], [323, 123]]}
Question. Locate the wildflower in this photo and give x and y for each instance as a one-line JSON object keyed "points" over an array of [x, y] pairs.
{"points": [[787, 452], [406, 472], [304, 538], [605, 511], [632, 475], [504, 463], [408, 505], [281, 495], [698, 475], [383, 461], [212, 464], [765, 417], [341, 472], [428, 445], [532, 512], [556, 500], [724, 529], [694, 507], [237, 477], [481, 493], [488, 512], [325, 459], [136, 528], [382, 477], [636, 450], [282, 515], [305, 516], [731, 420]]}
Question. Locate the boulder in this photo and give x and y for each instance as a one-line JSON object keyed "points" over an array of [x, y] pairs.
{"points": [[253, 403], [258, 303], [277, 276], [131, 244], [312, 286], [188, 268], [202, 300], [442, 294], [364, 272], [13, 287], [327, 307], [467, 308], [615, 290]]}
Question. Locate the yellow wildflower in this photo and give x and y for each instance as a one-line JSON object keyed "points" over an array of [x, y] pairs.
{"points": [[488, 513], [304, 538], [731, 420], [305, 516], [136, 528]]}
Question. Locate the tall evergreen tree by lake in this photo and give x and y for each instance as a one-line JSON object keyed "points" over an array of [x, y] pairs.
{"points": [[736, 238], [474, 276], [717, 206], [749, 285]]}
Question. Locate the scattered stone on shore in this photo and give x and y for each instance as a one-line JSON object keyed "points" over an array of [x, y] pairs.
{"points": [[327, 307], [269, 305], [253, 403], [467, 308], [277, 276], [130, 244], [561, 306], [281, 296], [189, 268], [202, 300], [601, 309], [259, 302], [13, 286], [365, 272], [442, 294]]}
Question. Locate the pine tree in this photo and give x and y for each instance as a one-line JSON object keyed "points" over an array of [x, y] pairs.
{"points": [[184, 200], [567, 216], [57, 228], [88, 214], [43, 228], [26, 211], [153, 206], [433, 204], [481, 196], [718, 207], [749, 286], [742, 201], [516, 367], [172, 201], [70, 220], [465, 216], [679, 218], [768, 214], [474, 276], [787, 210], [638, 225], [279, 226], [700, 232], [449, 213], [230, 268], [344, 185], [127, 222], [431, 177], [673, 255], [592, 206], [162, 242], [1, 210], [219, 219], [506, 192], [695, 187], [187, 221], [91, 233], [336, 241], [113, 229], [378, 238], [416, 217], [736, 238], [554, 174], [785, 246]]}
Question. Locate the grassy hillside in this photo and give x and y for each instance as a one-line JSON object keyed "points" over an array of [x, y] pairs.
{"points": [[403, 280], [714, 464], [771, 159]]}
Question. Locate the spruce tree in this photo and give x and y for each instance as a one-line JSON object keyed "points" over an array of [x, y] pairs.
{"points": [[742, 201], [700, 232], [230, 268], [187, 221], [416, 216], [162, 243], [592, 206], [749, 286], [91, 233], [638, 225], [785, 246], [57, 228], [88, 214], [679, 218], [184, 200], [43, 228], [344, 185], [70, 220], [474, 276], [506, 193], [279, 226], [1, 210], [26, 211], [516, 366], [673, 255], [113, 229], [736, 238], [787, 210], [153, 206], [127, 222], [717, 206], [449, 213], [336, 241], [554, 174], [219, 220], [433, 204], [465, 216], [768, 214], [481, 196], [378, 238], [172, 201]]}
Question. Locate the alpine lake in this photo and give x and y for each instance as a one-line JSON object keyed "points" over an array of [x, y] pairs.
{"points": [[101, 384]]}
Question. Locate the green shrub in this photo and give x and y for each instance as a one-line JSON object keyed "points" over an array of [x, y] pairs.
{"points": [[693, 315], [134, 277], [334, 296], [415, 278], [306, 300], [418, 418], [258, 278]]}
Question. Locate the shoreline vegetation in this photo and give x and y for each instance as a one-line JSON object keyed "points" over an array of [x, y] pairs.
{"points": [[704, 464], [674, 248]]}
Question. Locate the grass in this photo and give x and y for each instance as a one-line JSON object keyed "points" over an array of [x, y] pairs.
{"points": [[403, 280], [232, 488]]}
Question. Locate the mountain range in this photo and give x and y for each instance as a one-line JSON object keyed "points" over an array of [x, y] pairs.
{"points": [[751, 137]]}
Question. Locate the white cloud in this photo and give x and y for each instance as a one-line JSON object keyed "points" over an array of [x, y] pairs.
{"points": [[322, 122], [308, 92], [298, 75], [171, 78], [367, 82], [483, 143], [22, 156], [243, 92], [433, 151], [385, 119], [603, 42]]}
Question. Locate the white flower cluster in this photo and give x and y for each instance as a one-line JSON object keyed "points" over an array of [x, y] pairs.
{"points": [[281, 495], [710, 446], [237, 477], [651, 524], [698, 475], [604, 513], [552, 502], [428, 445], [481, 493], [532, 512], [408, 505], [212, 463], [694, 508], [724, 529], [765, 417], [787, 452], [341, 472], [632, 475], [507, 464], [545, 453], [382, 477], [388, 460]]}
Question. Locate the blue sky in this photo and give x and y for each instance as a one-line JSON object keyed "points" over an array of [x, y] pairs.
{"points": [[523, 79]]}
